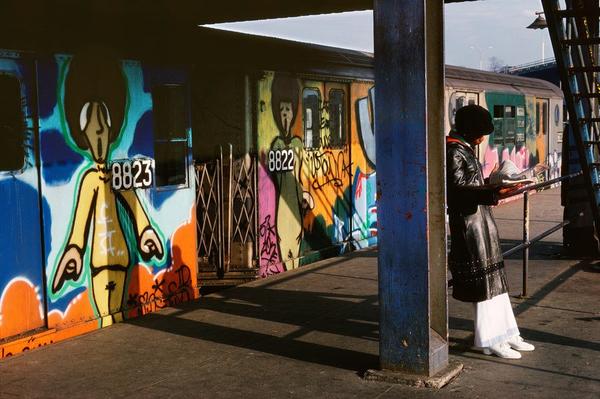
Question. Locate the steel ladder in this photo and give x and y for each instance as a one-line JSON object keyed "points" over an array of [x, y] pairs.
{"points": [[573, 28]]}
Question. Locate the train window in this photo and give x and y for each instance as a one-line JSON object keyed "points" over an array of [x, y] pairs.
{"points": [[509, 111], [170, 163], [337, 118], [311, 101], [170, 135], [498, 111], [12, 125]]}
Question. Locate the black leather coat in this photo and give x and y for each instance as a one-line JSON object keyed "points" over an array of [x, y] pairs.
{"points": [[475, 259]]}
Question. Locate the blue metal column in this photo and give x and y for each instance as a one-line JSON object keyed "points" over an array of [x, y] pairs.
{"points": [[410, 179]]}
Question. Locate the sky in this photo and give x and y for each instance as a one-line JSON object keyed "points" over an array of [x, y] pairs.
{"points": [[474, 32]]}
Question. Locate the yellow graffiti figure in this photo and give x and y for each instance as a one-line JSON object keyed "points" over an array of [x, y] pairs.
{"points": [[95, 95], [285, 95]]}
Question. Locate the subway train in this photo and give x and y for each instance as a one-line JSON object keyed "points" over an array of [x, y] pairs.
{"points": [[132, 176]]}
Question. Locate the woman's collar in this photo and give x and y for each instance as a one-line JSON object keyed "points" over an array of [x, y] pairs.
{"points": [[457, 138]]}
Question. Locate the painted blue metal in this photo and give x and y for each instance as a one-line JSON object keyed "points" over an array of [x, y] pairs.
{"points": [[401, 141], [20, 244]]}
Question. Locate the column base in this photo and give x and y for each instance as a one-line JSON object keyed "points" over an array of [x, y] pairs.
{"points": [[415, 380]]}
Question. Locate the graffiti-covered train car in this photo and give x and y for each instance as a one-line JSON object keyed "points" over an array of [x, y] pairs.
{"points": [[129, 183], [316, 153], [321, 196], [527, 115]]}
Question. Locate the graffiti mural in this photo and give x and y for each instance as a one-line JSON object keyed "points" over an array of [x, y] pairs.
{"points": [[305, 209], [109, 254], [94, 106]]}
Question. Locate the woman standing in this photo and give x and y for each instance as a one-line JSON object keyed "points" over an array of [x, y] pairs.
{"points": [[475, 259]]}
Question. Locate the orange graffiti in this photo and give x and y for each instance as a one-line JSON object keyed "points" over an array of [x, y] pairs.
{"points": [[168, 287], [78, 319], [149, 292], [27, 315], [79, 310]]}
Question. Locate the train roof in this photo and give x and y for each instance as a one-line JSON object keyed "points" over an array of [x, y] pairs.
{"points": [[467, 78], [270, 53], [246, 51]]}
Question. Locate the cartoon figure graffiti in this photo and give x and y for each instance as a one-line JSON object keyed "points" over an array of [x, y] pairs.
{"points": [[95, 107], [285, 95]]}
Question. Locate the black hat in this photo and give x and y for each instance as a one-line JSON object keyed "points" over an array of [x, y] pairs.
{"points": [[473, 121]]}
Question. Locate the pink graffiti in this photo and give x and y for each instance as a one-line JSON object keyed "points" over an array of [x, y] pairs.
{"points": [[270, 260], [520, 157]]}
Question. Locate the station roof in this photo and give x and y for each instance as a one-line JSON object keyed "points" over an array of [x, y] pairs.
{"points": [[196, 12], [240, 10]]}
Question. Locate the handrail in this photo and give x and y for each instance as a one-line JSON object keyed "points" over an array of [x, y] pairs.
{"points": [[537, 238], [543, 184], [524, 246]]}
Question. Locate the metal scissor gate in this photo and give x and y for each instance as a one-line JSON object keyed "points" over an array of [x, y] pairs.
{"points": [[226, 213], [575, 39]]}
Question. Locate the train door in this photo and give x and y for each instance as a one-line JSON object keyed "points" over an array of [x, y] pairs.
{"points": [[21, 270], [541, 129], [339, 136], [326, 170]]}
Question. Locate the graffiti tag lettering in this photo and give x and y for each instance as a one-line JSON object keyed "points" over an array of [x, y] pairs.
{"points": [[328, 168], [268, 250], [164, 293]]}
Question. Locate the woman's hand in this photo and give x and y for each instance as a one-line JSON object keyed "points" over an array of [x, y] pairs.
{"points": [[507, 191]]}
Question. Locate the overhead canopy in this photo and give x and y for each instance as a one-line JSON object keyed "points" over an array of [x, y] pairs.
{"points": [[196, 12]]}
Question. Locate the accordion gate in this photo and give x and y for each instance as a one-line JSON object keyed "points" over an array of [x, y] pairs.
{"points": [[226, 208]]}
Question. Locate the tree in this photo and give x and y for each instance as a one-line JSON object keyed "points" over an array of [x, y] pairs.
{"points": [[497, 65]]}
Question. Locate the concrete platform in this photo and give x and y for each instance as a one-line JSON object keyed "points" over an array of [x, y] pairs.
{"points": [[313, 332]]}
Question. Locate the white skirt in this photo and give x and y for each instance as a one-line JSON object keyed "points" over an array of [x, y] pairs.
{"points": [[494, 321]]}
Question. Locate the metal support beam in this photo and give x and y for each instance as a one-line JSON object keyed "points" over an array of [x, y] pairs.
{"points": [[409, 77]]}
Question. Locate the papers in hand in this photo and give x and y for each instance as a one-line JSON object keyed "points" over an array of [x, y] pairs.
{"points": [[509, 175]]}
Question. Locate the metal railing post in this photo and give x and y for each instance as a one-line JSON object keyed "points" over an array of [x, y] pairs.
{"points": [[525, 241]]}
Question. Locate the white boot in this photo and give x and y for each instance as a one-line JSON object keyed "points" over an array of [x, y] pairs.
{"points": [[517, 343], [502, 350]]}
